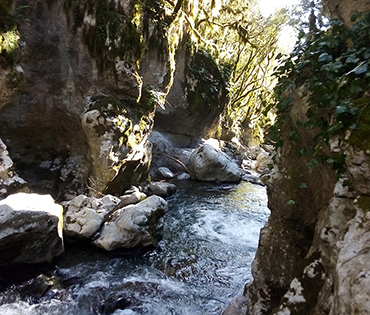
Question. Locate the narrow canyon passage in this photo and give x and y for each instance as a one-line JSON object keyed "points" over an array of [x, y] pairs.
{"points": [[203, 261]]}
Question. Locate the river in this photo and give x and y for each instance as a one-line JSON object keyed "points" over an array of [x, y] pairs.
{"points": [[210, 238]]}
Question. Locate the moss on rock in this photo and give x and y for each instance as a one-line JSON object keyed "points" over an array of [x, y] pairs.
{"points": [[360, 135], [364, 203]]}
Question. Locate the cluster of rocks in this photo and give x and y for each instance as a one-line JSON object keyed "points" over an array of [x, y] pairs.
{"points": [[211, 161], [34, 226]]}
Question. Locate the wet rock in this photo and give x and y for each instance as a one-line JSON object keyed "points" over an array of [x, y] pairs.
{"points": [[120, 298], [252, 179], [210, 164], [31, 229], [32, 290], [162, 189], [165, 173], [238, 306], [133, 226], [166, 154], [84, 215], [183, 176]]}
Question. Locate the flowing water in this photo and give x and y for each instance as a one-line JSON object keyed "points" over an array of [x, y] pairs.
{"points": [[210, 237]]}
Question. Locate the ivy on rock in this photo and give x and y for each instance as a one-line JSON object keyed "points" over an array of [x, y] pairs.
{"points": [[331, 69]]}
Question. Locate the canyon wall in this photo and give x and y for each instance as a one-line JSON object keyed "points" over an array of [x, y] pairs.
{"points": [[313, 252], [80, 82]]}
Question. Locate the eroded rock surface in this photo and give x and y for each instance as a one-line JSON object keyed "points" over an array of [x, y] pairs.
{"points": [[75, 114], [10, 182], [84, 215]]}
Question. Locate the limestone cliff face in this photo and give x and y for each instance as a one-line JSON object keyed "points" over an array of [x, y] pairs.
{"points": [[75, 115], [313, 253], [79, 82], [196, 99]]}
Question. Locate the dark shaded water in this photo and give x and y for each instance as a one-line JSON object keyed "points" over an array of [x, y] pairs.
{"points": [[210, 238]]}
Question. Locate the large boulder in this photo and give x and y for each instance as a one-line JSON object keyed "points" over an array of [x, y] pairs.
{"points": [[31, 229], [133, 226], [210, 164], [84, 215]]}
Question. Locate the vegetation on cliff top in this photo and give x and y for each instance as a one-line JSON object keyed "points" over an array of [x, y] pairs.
{"points": [[332, 67]]}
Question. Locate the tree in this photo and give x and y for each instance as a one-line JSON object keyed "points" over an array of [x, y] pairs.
{"points": [[244, 44]]}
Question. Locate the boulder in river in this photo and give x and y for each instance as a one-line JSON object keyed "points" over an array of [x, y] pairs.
{"points": [[162, 189], [165, 172], [133, 226], [84, 215], [31, 229], [210, 164]]}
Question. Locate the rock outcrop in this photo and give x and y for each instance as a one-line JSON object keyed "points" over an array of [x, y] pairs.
{"points": [[196, 99], [80, 83], [76, 81], [31, 229]]}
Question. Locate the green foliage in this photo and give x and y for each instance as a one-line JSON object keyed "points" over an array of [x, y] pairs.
{"points": [[204, 82], [5, 7], [114, 33], [333, 69], [308, 16], [244, 44], [9, 34], [363, 202]]}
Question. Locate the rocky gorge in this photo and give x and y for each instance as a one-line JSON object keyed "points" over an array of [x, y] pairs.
{"points": [[100, 105]]}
